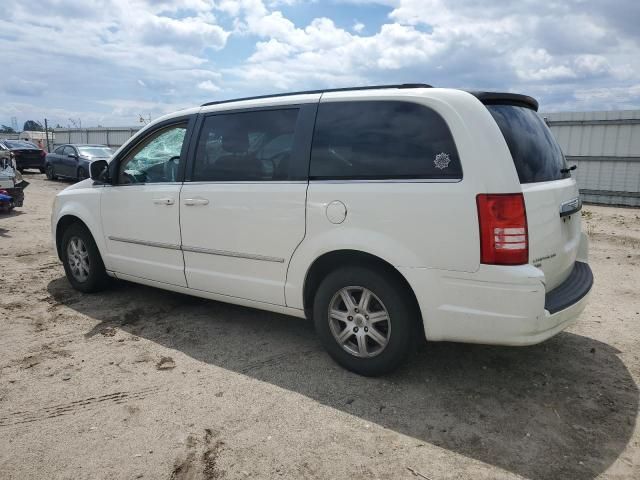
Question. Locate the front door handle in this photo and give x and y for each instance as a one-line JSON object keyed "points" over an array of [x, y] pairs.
{"points": [[195, 201], [164, 201]]}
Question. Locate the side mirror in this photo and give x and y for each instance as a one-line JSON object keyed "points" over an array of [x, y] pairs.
{"points": [[98, 171]]}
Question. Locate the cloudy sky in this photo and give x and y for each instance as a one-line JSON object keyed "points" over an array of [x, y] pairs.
{"points": [[108, 61]]}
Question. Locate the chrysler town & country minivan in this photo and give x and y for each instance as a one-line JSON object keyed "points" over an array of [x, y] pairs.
{"points": [[385, 214]]}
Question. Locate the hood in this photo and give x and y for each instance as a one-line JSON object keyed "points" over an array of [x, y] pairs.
{"points": [[86, 183]]}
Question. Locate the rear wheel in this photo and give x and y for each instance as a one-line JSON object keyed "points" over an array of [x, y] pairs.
{"points": [[50, 172], [82, 261], [41, 170], [82, 173], [365, 319]]}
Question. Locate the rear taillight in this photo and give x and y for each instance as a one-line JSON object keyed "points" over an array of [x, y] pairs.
{"points": [[504, 238]]}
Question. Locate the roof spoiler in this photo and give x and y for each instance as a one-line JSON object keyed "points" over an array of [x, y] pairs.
{"points": [[500, 98]]}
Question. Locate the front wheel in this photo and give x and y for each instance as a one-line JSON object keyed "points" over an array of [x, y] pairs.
{"points": [[82, 261], [365, 319], [82, 174], [50, 172], [42, 170]]}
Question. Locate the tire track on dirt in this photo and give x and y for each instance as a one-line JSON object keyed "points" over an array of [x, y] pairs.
{"points": [[274, 360], [85, 404]]}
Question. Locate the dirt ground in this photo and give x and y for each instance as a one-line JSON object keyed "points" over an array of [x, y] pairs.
{"points": [[141, 383]]}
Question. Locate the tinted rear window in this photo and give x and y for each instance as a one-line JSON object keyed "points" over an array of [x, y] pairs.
{"points": [[382, 140], [536, 154], [20, 144]]}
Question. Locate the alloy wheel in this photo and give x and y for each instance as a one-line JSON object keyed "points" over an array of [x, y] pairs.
{"points": [[78, 259], [359, 321]]}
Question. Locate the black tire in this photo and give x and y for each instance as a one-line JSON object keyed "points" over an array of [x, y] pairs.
{"points": [[50, 172], [82, 174], [97, 278], [42, 170], [398, 302]]}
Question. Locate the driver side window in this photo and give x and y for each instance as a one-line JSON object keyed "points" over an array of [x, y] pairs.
{"points": [[156, 159]]}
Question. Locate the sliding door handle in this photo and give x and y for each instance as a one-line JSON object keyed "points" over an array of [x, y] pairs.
{"points": [[164, 201], [195, 201]]}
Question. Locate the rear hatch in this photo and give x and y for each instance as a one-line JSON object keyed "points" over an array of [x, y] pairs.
{"points": [[547, 187]]}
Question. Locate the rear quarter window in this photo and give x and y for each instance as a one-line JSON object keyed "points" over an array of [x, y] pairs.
{"points": [[382, 140], [535, 152]]}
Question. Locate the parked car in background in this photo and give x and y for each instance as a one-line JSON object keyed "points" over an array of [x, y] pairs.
{"points": [[11, 183], [385, 214], [73, 160], [26, 154]]}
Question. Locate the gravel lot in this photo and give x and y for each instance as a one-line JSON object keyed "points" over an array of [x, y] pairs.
{"points": [[141, 383]]}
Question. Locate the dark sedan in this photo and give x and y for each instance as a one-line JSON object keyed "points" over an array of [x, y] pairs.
{"points": [[73, 160], [26, 154]]}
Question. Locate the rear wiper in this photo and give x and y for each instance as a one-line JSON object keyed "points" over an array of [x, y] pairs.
{"points": [[568, 169]]}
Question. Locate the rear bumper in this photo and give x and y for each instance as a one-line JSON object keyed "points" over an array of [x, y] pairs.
{"points": [[30, 162], [498, 305], [571, 291]]}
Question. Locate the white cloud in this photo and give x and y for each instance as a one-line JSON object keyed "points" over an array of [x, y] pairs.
{"points": [[13, 85], [610, 98], [583, 53], [186, 34], [208, 86]]}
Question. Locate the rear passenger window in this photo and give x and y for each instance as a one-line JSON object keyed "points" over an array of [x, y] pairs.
{"points": [[246, 146], [382, 140]]}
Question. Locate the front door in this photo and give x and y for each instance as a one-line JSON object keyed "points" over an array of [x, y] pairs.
{"points": [[140, 210], [69, 162], [242, 212]]}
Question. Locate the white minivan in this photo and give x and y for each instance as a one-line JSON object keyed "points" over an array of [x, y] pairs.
{"points": [[385, 214]]}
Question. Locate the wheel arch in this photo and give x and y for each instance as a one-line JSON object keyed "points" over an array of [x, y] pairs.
{"points": [[64, 222], [329, 261]]}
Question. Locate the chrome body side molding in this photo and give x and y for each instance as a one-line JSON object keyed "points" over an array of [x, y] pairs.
{"points": [[208, 251]]}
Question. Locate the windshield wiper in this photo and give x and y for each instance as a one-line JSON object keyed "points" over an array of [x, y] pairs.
{"points": [[568, 169]]}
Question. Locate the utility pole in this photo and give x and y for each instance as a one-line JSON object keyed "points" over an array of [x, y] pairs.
{"points": [[46, 134]]}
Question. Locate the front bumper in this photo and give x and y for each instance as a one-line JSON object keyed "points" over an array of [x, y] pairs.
{"points": [[498, 305]]}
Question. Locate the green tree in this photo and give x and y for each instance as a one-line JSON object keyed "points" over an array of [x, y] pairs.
{"points": [[5, 129], [32, 126]]}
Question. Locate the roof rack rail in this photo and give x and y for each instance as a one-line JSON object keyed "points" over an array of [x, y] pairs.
{"points": [[326, 90]]}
